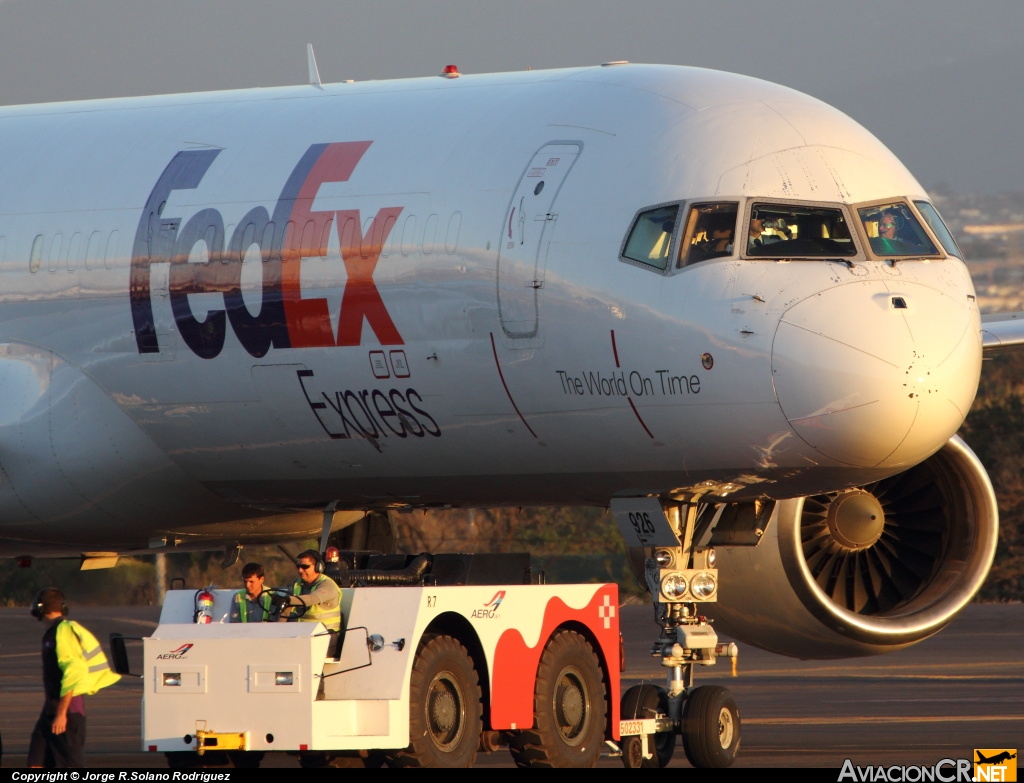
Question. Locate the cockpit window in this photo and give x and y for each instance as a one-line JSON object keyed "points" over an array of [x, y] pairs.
{"points": [[931, 217], [792, 231], [893, 230], [650, 240], [710, 233]]}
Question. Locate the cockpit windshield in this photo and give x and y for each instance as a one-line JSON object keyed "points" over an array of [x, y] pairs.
{"points": [[792, 231], [931, 217], [893, 230], [650, 239], [710, 229], [696, 231]]}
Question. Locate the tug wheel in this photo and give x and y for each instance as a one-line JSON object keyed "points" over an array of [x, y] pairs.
{"points": [[569, 708], [445, 714]]}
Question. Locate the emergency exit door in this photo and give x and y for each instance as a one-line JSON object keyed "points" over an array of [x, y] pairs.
{"points": [[526, 234]]}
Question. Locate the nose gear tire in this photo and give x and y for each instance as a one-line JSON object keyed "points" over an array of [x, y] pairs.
{"points": [[711, 727], [646, 701]]}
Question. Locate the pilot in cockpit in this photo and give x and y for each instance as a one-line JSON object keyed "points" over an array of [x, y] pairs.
{"points": [[763, 231], [887, 225], [890, 240], [712, 237]]}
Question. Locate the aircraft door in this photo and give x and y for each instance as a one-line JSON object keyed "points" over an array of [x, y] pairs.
{"points": [[527, 230]]}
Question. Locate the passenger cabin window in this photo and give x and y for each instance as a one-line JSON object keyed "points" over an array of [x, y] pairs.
{"points": [[792, 231], [110, 254], [429, 233], [409, 235], [931, 217], [710, 233], [56, 247], [650, 240], [36, 254], [93, 250], [893, 230], [74, 249], [451, 239]]}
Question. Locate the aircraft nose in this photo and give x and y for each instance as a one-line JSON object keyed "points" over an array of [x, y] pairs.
{"points": [[877, 374]]}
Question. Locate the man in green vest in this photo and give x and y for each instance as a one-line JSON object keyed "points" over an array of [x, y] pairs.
{"points": [[73, 666], [251, 605], [319, 593]]}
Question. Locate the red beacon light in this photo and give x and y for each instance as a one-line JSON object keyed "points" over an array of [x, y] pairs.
{"points": [[451, 72], [332, 555]]}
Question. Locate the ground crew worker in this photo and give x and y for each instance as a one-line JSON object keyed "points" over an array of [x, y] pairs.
{"points": [[73, 666], [321, 594], [251, 605]]}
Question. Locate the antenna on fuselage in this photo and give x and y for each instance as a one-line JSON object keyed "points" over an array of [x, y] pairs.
{"points": [[314, 72]]}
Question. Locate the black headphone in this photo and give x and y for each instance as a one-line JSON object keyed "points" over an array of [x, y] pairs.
{"points": [[316, 557], [38, 610]]}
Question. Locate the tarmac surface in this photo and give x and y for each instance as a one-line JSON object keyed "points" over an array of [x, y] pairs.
{"points": [[962, 689]]}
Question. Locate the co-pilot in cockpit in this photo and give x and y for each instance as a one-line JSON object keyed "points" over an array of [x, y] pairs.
{"points": [[893, 230]]}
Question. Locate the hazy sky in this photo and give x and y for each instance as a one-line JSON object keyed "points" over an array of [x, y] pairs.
{"points": [[940, 82]]}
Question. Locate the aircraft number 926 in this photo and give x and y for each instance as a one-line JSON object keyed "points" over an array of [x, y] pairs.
{"points": [[642, 522]]}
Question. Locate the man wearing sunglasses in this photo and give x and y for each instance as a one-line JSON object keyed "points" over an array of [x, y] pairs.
{"points": [[318, 592]]}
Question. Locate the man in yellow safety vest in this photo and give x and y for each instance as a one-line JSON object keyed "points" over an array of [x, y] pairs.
{"points": [[251, 605], [73, 666], [319, 593]]}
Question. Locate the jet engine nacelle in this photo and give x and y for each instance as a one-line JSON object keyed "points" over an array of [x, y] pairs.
{"points": [[863, 571]]}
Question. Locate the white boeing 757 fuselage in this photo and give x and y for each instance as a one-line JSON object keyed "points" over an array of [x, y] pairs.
{"points": [[223, 312]]}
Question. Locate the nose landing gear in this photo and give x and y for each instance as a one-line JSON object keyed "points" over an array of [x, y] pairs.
{"points": [[680, 574]]}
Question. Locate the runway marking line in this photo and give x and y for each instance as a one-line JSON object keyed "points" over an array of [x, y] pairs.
{"points": [[1007, 670], [857, 719]]}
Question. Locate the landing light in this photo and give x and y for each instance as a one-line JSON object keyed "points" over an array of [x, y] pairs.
{"points": [[689, 585], [673, 586], [703, 585]]}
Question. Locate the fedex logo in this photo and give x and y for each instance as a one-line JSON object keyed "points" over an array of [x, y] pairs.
{"points": [[294, 231]]}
